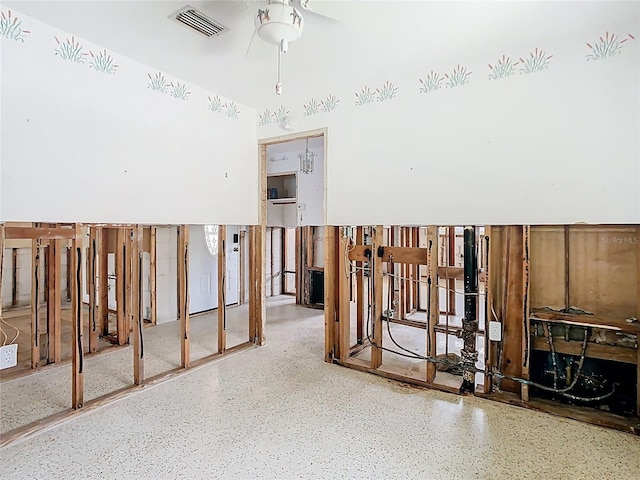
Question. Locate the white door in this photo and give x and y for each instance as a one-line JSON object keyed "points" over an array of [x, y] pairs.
{"points": [[203, 273]]}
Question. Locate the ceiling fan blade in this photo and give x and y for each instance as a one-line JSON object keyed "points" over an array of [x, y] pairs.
{"points": [[258, 48], [325, 9]]}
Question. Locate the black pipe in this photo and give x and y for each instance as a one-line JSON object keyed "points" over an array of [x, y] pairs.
{"points": [[470, 321]]}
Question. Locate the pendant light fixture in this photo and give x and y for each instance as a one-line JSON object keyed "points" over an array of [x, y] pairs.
{"points": [[307, 160]]}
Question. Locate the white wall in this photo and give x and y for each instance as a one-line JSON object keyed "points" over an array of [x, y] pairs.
{"points": [[556, 146], [84, 146]]}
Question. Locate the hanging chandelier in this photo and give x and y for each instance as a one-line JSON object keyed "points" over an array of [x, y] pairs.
{"points": [[307, 160]]}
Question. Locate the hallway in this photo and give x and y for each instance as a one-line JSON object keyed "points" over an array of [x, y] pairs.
{"points": [[280, 412]]}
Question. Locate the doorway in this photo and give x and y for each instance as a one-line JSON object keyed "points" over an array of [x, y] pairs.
{"points": [[294, 213]]}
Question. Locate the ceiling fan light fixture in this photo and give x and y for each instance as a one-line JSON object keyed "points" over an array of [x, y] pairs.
{"points": [[278, 21]]}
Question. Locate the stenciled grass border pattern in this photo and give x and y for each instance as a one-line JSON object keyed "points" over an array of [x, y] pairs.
{"points": [[70, 49], [267, 117], [313, 107], [366, 95], [159, 83], [607, 46], [229, 110], [11, 27]]}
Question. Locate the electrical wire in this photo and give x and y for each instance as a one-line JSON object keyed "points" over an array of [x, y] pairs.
{"points": [[9, 325], [4, 340]]}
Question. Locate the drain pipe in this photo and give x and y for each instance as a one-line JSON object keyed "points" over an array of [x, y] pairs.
{"points": [[470, 321]]}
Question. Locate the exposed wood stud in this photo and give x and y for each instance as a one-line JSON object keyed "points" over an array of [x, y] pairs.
{"points": [[329, 293], [433, 306], [183, 282], [54, 302], [129, 266], [299, 275], [343, 284], [69, 274], [272, 266], [92, 271], [360, 295], [121, 250], [526, 324], [252, 283], [77, 358], [376, 307], [153, 275], [243, 273], [103, 282], [512, 341], [137, 304], [222, 289], [35, 303], [14, 276], [261, 307], [403, 281]]}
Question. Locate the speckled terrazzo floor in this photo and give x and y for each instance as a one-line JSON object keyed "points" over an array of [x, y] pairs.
{"points": [[280, 412], [27, 399]]}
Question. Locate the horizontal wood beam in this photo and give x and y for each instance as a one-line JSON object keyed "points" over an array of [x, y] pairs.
{"points": [[414, 256], [619, 324], [33, 233], [594, 350]]}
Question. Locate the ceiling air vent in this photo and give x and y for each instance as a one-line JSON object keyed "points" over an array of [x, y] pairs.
{"points": [[198, 21]]}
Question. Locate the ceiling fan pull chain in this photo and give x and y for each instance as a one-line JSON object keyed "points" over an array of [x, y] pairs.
{"points": [[281, 48]]}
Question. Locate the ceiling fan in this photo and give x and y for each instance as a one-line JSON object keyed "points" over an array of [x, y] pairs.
{"points": [[279, 22]]}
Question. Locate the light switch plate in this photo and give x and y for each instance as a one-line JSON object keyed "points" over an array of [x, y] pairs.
{"points": [[495, 331], [8, 356]]}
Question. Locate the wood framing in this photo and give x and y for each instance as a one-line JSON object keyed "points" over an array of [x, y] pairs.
{"points": [[222, 288], [121, 251], [103, 282], [54, 302], [38, 233], [376, 307], [14, 276], [343, 302], [329, 294], [259, 289], [183, 299], [433, 307], [137, 305], [35, 303], [92, 272], [253, 278], [153, 274], [360, 295], [77, 389], [129, 266], [526, 325]]}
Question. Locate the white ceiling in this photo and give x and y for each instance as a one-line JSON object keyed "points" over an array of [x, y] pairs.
{"points": [[372, 40]]}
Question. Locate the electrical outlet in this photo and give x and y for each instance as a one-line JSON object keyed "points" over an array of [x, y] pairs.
{"points": [[8, 356], [495, 331]]}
